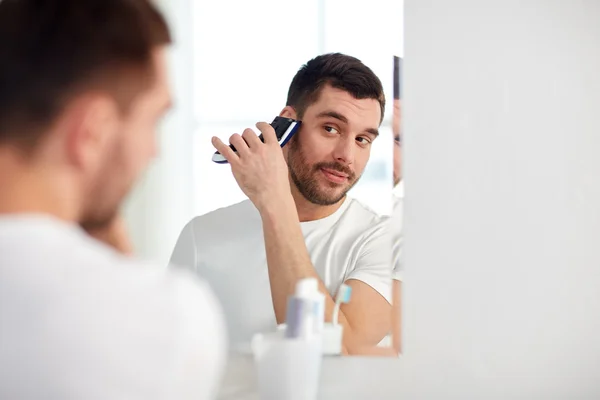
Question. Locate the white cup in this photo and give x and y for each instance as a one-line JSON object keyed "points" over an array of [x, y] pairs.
{"points": [[287, 369], [332, 339]]}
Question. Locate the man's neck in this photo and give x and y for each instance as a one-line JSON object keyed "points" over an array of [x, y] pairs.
{"points": [[308, 211], [33, 190]]}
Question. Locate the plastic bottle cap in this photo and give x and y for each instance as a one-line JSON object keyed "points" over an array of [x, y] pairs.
{"points": [[307, 287]]}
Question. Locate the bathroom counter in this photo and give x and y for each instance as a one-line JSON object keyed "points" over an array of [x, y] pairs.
{"points": [[341, 378]]}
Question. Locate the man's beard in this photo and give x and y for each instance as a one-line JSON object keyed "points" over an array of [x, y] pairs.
{"points": [[101, 209], [105, 195], [303, 176]]}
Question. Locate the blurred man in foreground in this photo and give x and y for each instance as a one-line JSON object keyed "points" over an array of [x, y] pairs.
{"points": [[82, 88]]}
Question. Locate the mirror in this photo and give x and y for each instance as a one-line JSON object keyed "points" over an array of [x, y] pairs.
{"points": [[394, 347], [243, 72], [396, 222]]}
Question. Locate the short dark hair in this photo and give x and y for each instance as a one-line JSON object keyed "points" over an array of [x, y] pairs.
{"points": [[339, 70], [397, 77], [52, 50]]}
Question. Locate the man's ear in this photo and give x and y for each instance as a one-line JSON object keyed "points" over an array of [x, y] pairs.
{"points": [[288, 112], [92, 127]]}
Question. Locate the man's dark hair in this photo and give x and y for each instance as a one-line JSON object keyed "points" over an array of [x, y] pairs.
{"points": [[397, 77], [341, 72], [53, 50]]}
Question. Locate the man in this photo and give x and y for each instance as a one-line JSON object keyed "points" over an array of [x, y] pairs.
{"points": [[82, 88], [298, 221]]}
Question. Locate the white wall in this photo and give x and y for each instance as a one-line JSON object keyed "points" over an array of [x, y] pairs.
{"points": [[502, 174]]}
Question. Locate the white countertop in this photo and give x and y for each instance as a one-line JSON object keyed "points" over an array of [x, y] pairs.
{"points": [[341, 378]]}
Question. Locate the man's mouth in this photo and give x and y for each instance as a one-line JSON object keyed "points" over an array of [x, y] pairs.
{"points": [[334, 176]]}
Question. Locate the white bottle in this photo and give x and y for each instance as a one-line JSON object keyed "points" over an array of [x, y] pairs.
{"points": [[308, 289]]}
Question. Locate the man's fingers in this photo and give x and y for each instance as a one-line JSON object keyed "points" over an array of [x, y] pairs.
{"points": [[268, 132], [251, 138], [241, 147], [225, 150]]}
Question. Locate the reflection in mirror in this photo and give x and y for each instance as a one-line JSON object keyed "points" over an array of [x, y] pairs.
{"points": [[271, 223], [396, 222]]}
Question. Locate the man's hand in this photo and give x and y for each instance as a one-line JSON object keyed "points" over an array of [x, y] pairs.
{"points": [[113, 234], [259, 168]]}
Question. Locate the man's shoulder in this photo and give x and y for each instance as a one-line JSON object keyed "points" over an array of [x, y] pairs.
{"points": [[102, 302], [130, 276], [234, 213], [364, 215], [232, 224], [176, 296], [94, 277], [164, 318], [360, 223]]}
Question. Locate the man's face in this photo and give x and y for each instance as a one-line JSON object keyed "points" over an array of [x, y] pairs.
{"points": [[397, 143], [129, 151], [329, 153]]}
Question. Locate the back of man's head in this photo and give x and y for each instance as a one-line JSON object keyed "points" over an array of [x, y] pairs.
{"points": [[53, 50], [82, 86], [338, 70]]}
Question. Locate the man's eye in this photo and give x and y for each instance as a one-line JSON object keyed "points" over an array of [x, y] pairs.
{"points": [[331, 129], [363, 140]]}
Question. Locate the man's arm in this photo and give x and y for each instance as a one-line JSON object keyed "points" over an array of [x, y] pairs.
{"points": [[262, 174], [366, 318]]}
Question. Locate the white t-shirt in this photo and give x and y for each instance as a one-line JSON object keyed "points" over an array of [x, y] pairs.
{"points": [[226, 247], [397, 233], [80, 321]]}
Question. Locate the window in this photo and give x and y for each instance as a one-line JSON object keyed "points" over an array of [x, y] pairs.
{"points": [[245, 56]]}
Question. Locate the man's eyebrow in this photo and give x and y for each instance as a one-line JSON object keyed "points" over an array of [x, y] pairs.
{"points": [[338, 116], [373, 131], [333, 114]]}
